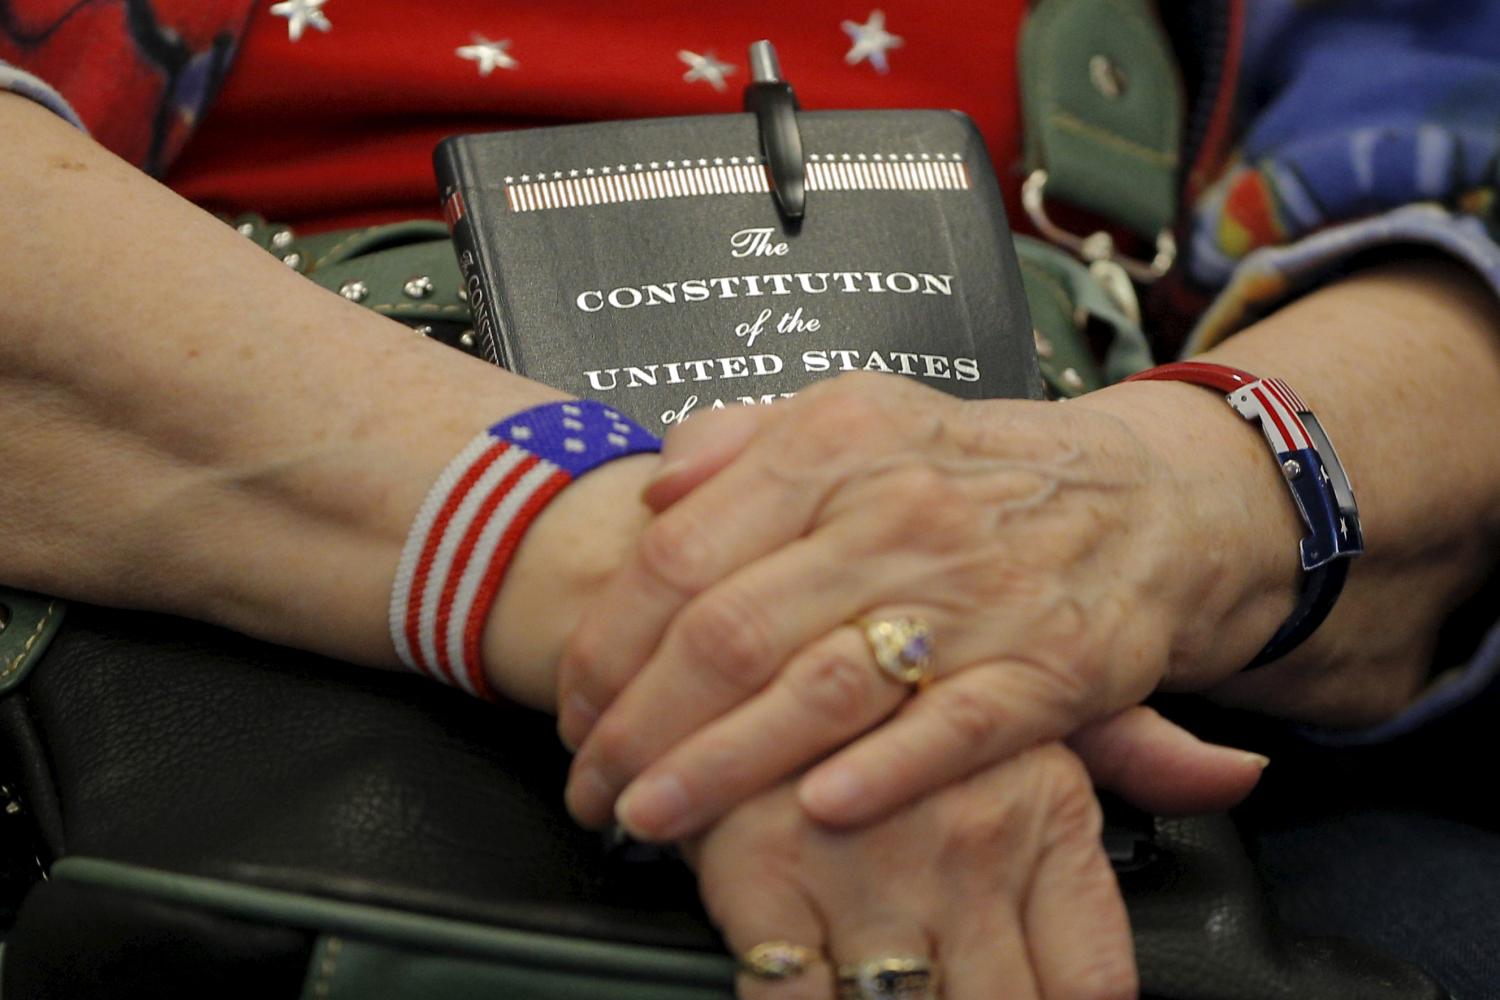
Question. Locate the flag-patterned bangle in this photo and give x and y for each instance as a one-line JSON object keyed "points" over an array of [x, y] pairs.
{"points": [[1315, 475], [474, 518]]}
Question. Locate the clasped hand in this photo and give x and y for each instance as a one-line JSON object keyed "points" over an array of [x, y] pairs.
{"points": [[719, 694], [1041, 543]]}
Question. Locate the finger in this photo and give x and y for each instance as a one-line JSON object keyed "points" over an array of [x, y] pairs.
{"points": [[983, 955], [698, 448], [751, 910], [828, 693], [1161, 767], [689, 547], [1077, 930], [980, 715], [722, 649], [868, 938]]}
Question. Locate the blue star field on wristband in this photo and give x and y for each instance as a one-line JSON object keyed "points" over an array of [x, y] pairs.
{"points": [[1315, 476], [474, 518]]}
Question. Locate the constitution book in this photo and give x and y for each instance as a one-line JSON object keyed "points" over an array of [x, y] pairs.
{"points": [[646, 264]]}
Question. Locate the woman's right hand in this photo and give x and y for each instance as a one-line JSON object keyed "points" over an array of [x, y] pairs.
{"points": [[999, 880]]}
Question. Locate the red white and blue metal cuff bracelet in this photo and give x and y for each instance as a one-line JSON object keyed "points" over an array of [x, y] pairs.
{"points": [[1313, 472]]}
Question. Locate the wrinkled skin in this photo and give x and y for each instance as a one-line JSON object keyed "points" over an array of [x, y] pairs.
{"points": [[1000, 880], [1043, 543]]}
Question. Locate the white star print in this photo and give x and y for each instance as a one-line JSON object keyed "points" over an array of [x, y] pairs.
{"points": [[871, 41], [704, 67], [301, 14], [486, 54]]}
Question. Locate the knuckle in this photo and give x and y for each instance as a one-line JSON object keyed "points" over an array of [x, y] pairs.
{"points": [[979, 831], [1067, 682], [940, 511], [920, 483], [970, 716], [837, 688], [726, 634], [582, 663], [844, 414], [1107, 974], [921, 504], [675, 550], [1074, 810], [613, 746]]}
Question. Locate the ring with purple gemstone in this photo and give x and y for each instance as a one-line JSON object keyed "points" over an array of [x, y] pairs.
{"points": [[902, 648]]}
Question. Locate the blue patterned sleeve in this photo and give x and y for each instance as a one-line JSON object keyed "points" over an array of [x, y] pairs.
{"points": [[18, 81], [1339, 159]]}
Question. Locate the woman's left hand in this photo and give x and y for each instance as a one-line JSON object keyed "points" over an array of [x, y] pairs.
{"points": [[1064, 565], [1000, 882]]}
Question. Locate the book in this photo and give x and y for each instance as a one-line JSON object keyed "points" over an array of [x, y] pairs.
{"points": [[645, 263]]}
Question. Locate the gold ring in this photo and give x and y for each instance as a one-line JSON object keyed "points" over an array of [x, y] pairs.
{"points": [[891, 978], [777, 960], [902, 648]]}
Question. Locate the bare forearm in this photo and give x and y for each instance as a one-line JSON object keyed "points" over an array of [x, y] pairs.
{"points": [[192, 427], [1402, 365]]}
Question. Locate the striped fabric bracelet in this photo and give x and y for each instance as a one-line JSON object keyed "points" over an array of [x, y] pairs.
{"points": [[474, 518]]}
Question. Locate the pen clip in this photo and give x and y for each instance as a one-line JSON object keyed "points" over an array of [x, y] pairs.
{"points": [[775, 107]]}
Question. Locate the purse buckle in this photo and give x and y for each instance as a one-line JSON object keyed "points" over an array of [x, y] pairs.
{"points": [[1099, 246]]}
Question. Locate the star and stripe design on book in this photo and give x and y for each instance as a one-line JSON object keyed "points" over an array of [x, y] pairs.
{"points": [[474, 518], [869, 44]]}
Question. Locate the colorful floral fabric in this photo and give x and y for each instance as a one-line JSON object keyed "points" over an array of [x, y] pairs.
{"points": [[1354, 109]]}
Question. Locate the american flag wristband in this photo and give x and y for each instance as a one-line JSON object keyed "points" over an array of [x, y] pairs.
{"points": [[1312, 471], [474, 518]]}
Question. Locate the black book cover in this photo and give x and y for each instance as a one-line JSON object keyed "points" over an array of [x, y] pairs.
{"points": [[645, 264]]}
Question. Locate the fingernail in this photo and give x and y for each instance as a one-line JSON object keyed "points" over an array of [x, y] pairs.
{"points": [[830, 794], [1260, 759], [653, 808], [587, 795]]}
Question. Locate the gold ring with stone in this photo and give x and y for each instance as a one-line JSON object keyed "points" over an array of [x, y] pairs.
{"points": [[891, 978], [902, 648], [777, 960]]}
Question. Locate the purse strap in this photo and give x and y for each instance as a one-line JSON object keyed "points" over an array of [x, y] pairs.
{"points": [[27, 624]]}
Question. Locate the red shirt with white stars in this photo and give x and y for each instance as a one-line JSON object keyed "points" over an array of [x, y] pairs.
{"points": [[336, 126]]}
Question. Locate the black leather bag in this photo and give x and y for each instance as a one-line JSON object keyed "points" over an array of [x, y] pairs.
{"points": [[218, 817]]}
